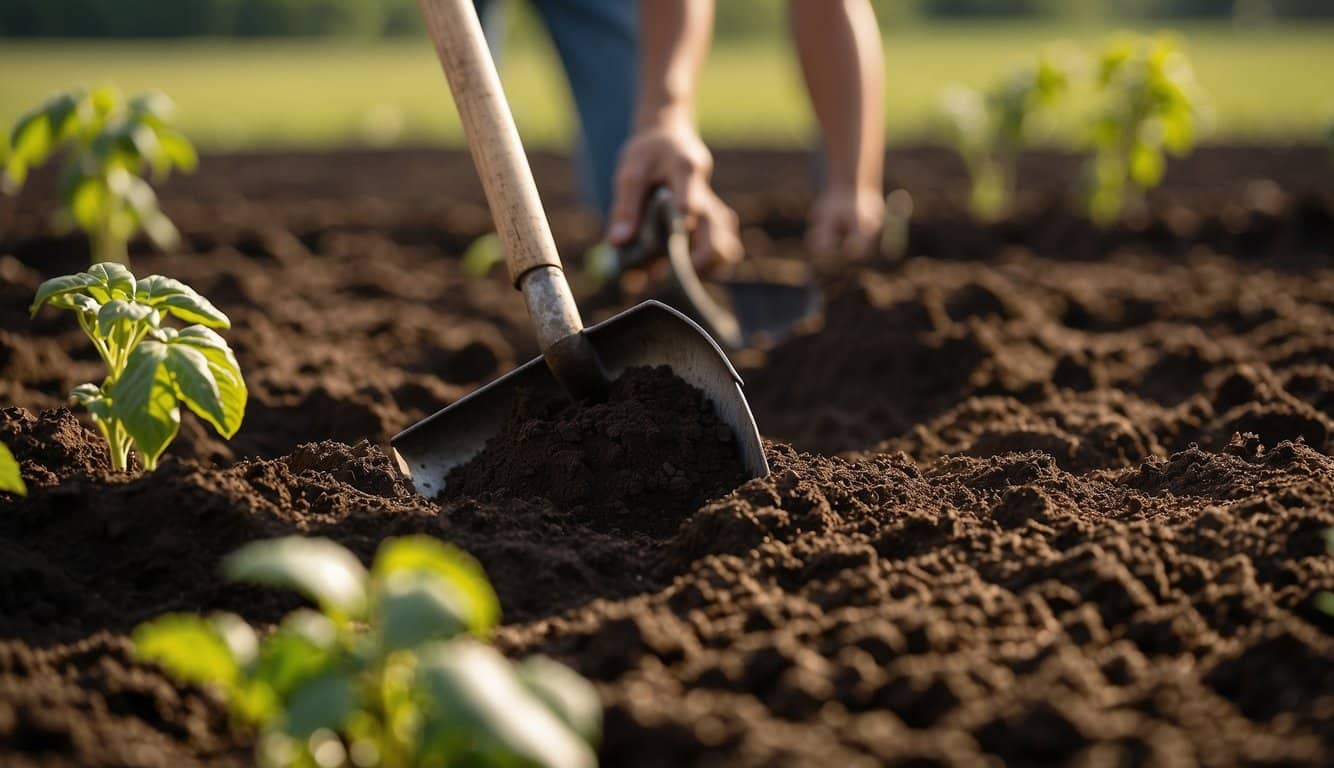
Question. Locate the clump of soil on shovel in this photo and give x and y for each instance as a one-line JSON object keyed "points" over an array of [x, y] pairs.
{"points": [[641, 462]]}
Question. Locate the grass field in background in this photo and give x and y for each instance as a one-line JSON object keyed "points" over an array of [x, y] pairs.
{"points": [[1268, 83]]}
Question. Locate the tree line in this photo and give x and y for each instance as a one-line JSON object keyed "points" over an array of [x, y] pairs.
{"points": [[390, 18]]}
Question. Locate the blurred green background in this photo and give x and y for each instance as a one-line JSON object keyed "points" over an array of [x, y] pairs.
{"points": [[249, 73]]}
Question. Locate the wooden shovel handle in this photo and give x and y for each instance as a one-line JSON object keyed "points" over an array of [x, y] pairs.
{"points": [[494, 141]]}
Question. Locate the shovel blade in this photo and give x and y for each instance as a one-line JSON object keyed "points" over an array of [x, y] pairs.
{"points": [[649, 334], [770, 311]]}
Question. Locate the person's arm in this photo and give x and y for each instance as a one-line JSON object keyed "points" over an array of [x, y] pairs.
{"points": [[665, 147], [838, 42]]}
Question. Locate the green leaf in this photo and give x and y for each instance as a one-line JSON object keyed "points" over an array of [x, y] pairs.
{"points": [[303, 648], [90, 397], [11, 478], [114, 281], [476, 708], [232, 392], [58, 286], [104, 100], [413, 608], [317, 568], [153, 103], [116, 314], [178, 149], [143, 399], [63, 113], [324, 702], [141, 203], [482, 254], [189, 647], [87, 202], [79, 302], [574, 700], [239, 637], [457, 571], [29, 145], [1146, 166], [181, 300], [194, 384]]}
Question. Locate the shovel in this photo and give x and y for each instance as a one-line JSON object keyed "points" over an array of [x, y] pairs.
{"points": [[577, 363], [756, 312]]}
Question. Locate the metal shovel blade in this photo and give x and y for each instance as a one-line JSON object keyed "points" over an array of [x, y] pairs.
{"points": [[649, 334], [769, 311], [756, 311]]}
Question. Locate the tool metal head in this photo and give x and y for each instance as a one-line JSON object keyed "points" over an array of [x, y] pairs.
{"points": [[649, 334], [755, 312]]}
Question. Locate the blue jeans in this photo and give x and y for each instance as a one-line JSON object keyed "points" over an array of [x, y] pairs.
{"points": [[598, 44]]}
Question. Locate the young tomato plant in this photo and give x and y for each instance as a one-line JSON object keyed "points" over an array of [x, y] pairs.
{"points": [[391, 671], [989, 128], [151, 368], [1151, 105], [110, 142], [11, 479]]}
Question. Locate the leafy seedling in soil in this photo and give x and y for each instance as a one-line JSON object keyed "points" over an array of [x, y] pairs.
{"points": [[151, 368], [989, 128], [482, 255], [391, 670], [11, 479], [109, 143], [1150, 106]]}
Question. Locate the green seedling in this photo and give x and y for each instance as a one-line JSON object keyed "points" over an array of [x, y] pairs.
{"points": [[1151, 106], [600, 264], [11, 479], [109, 143], [990, 128], [482, 255], [391, 671], [151, 368]]}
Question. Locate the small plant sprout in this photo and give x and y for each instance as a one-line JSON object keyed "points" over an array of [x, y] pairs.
{"points": [[11, 480], [482, 255], [151, 368], [391, 671], [110, 143], [1150, 106], [601, 264], [989, 128]]}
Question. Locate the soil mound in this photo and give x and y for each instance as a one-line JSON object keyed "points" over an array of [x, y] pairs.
{"points": [[651, 454]]}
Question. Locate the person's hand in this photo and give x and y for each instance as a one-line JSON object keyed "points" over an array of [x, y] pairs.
{"points": [[845, 221], [672, 154]]}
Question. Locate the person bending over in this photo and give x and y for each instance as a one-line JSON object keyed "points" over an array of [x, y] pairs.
{"points": [[638, 131], [838, 43]]}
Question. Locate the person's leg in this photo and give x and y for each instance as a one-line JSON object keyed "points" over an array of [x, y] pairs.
{"points": [[598, 43]]}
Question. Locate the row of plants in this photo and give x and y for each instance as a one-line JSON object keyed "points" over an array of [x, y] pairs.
{"points": [[1145, 105], [393, 670]]}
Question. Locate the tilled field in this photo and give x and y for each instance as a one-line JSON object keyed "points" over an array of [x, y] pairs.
{"points": [[1041, 493]]}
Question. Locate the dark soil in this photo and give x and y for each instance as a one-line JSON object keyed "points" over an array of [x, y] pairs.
{"points": [[1063, 499], [638, 463]]}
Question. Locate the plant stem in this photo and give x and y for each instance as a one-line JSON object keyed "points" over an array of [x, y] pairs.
{"points": [[119, 442], [107, 247]]}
